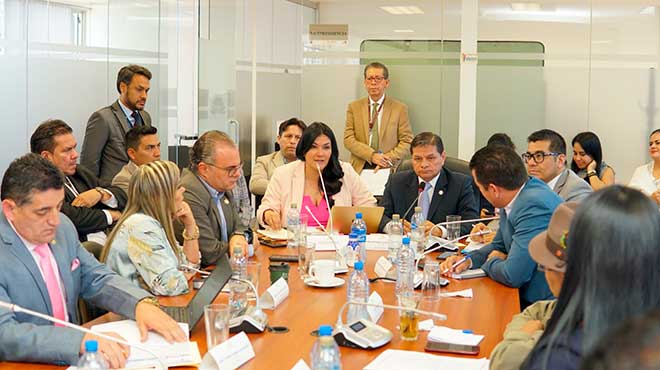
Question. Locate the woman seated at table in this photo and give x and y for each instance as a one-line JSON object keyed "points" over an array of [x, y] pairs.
{"points": [[647, 177], [588, 161], [611, 275], [299, 182], [142, 246]]}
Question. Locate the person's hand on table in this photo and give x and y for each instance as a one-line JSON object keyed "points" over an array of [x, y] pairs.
{"points": [[497, 254], [450, 261], [483, 238], [149, 317], [239, 241], [532, 327], [272, 219], [115, 354]]}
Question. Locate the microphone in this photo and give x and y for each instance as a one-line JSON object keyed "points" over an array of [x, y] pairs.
{"points": [[461, 222], [483, 232], [420, 189], [322, 228], [254, 320], [325, 194], [16, 308]]}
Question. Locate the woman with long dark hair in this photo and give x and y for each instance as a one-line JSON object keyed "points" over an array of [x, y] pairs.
{"points": [[612, 274], [588, 161], [299, 182]]}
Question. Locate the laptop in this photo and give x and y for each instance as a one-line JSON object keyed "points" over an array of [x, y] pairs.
{"points": [[343, 216], [193, 311]]}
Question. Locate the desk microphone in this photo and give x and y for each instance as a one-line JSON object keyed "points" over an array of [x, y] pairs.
{"points": [[322, 228], [253, 320], [18, 309], [420, 189], [462, 222], [478, 233], [325, 194]]}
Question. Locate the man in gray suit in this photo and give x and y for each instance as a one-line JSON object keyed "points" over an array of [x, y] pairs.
{"points": [[104, 148], [143, 147], [546, 160], [215, 167], [45, 269]]}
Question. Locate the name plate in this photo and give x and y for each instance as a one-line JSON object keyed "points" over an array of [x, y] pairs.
{"points": [[383, 265], [274, 295], [233, 352], [375, 313]]}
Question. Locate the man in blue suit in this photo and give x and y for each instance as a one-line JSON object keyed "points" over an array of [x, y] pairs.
{"points": [[526, 206], [43, 267]]}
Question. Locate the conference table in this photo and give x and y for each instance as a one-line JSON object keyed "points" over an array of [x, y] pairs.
{"points": [[306, 308]]}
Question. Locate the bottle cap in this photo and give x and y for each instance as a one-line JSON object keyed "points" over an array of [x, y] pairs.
{"points": [[396, 217], [418, 209], [358, 215], [325, 330], [91, 345], [405, 240], [358, 265], [294, 205]]}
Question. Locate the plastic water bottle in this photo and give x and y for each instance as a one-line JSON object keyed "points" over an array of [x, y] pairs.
{"points": [[360, 228], [352, 249], [358, 290], [91, 359], [394, 230], [417, 234], [325, 352], [405, 268], [238, 264], [292, 225]]}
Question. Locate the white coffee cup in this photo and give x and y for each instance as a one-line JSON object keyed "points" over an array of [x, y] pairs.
{"points": [[323, 270]]}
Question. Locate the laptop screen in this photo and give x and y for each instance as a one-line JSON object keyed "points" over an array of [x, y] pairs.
{"points": [[209, 290]]}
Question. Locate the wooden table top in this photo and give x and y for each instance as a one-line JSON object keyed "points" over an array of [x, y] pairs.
{"points": [[307, 308]]}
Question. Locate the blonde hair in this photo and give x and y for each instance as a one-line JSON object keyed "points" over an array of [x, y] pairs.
{"points": [[151, 191]]}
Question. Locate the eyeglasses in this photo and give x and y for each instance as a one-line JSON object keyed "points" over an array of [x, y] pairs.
{"points": [[539, 157], [231, 171], [375, 78]]}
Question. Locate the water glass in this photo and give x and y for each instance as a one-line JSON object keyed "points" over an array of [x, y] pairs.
{"points": [[216, 320], [253, 269], [409, 320], [431, 282], [302, 231], [453, 230], [305, 258], [238, 298]]}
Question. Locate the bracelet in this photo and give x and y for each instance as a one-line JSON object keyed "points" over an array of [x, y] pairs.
{"points": [[591, 173], [194, 236], [150, 300]]}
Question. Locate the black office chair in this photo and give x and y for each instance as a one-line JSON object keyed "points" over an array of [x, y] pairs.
{"points": [[458, 165]]}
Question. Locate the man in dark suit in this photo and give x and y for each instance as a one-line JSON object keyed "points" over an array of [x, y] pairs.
{"points": [[441, 192], [215, 167], [104, 148], [90, 203], [526, 206], [44, 268]]}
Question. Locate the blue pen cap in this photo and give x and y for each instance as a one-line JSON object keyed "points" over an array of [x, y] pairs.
{"points": [[91, 345], [358, 265], [405, 240], [358, 215], [325, 330]]}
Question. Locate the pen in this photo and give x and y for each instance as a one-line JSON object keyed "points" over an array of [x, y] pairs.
{"points": [[387, 160], [456, 264]]}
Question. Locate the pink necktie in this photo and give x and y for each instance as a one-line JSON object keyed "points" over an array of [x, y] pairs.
{"points": [[52, 283]]}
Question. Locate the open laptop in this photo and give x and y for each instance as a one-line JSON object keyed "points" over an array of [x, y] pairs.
{"points": [[193, 311], [343, 216]]}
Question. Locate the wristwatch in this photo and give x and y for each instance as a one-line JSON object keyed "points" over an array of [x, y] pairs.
{"points": [[100, 190], [150, 300], [591, 173]]}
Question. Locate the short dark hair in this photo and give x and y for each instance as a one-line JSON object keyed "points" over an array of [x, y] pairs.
{"points": [[134, 135], [29, 173], [635, 345], [557, 142], [332, 173], [126, 74], [43, 137], [500, 138], [427, 138], [378, 65], [291, 122], [498, 165]]}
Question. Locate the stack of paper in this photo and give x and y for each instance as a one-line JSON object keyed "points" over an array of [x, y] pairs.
{"points": [[393, 359], [377, 242], [453, 336], [324, 243], [469, 274]]}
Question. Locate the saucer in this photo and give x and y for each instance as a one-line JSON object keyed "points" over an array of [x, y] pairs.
{"points": [[334, 282]]}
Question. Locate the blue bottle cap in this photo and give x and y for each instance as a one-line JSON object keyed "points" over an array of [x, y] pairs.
{"points": [[91, 345], [358, 215], [325, 330], [405, 240], [358, 265]]}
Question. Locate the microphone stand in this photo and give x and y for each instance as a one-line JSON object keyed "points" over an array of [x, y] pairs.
{"points": [[434, 315], [254, 321], [325, 194], [449, 242], [461, 222], [16, 308]]}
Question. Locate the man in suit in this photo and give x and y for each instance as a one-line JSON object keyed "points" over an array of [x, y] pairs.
{"points": [[104, 148], [45, 269], [546, 160], [215, 167], [526, 206], [377, 131], [90, 203], [143, 147], [441, 191]]}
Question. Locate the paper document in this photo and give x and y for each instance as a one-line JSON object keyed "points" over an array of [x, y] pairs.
{"points": [[377, 242], [469, 274], [454, 336], [393, 359], [281, 234], [473, 246], [173, 354], [466, 293], [375, 181], [324, 243]]}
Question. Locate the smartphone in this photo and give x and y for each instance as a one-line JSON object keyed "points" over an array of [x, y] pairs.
{"points": [[451, 348], [283, 258], [445, 255]]}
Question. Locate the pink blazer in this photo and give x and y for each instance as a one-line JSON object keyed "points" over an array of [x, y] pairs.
{"points": [[287, 186]]}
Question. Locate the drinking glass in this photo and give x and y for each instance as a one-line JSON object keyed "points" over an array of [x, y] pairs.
{"points": [[431, 282], [453, 230], [409, 320], [216, 320], [305, 258]]}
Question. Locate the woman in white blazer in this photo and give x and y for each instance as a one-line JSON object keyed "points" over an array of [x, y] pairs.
{"points": [[299, 182]]}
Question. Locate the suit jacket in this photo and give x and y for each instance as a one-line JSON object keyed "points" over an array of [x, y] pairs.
{"points": [[457, 198], [208, 219], [26, 338], [89, 220], [530, 214], [104, 146], [288, 185], [571, 188], [123, 177], [394, 136], [263, 170]]}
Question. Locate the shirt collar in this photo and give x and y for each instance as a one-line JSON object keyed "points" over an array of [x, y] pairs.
{"points": [[433, 181], [127, 112], [509, 206], [214, 193], [553, 182], [380, 101]]}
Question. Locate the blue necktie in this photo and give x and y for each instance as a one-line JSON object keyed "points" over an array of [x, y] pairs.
{"points": [[424, 201], [137, 119], [223, 221]]}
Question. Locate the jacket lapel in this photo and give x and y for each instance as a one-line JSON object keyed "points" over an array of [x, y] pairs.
{"points": [[297, 185], [410, 196], [385, 119], [121, 117], [365, 119], [64, 266], [561, 181], [440, 186]]}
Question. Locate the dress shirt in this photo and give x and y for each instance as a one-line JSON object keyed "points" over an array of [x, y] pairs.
{"points": [[509, 206], [380, 114], [217, 197], [430, 195], [128, 113], [553, 182]]}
